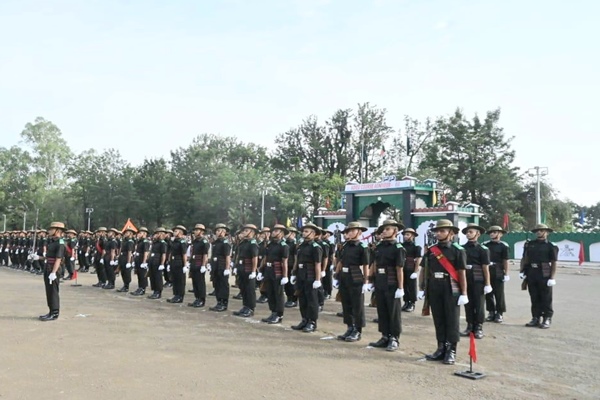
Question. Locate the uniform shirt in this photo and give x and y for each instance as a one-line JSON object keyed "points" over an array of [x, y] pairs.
{"points": [[498, 251], [354, 253], [412, 250], [110, 245], [143, 246], [127, 246], [309, 252], [56, 249], [389, 253], [540, 251], [292, 251], [248, 248], [158, 248], [477, 254], [221, 248], [453, 252], [200, 247], [42, 242], [325, 246], [277, 250], [178, 248]]}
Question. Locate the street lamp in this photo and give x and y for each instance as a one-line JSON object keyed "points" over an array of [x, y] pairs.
{"points": [[538, 172], [89, 212]]}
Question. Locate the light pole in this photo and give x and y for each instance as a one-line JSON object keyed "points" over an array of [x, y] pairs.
{"points": [[24, 220], [89, 212], [539, 171], [262, 212], [4, 230]]}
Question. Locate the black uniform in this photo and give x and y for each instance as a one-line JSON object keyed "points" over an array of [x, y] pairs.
{"points": [[309, 253], [495, 301], [390, 257], [410, 285], [354, 254], [289, 288], [82, 249], [220, 250], [100, 267], [127, 247], [324, 261], [158, 248], [142, 247], [538, 255], [443, 292], [178, 250], [247, 250], [200, 248], [55, 250], [477, 256], [276, 252], [111, 245]]}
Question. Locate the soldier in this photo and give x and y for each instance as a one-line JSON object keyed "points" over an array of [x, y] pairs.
{"points": [[167, 271], [495, 303], [110, 259], [141, 254], [158, 257], [70, 251], [411, 268], [388, 272], [307, 278], [329, 266], [351, 276], [99, 257], [220, 263], [275, 271], [54, 256], [263, 241], [292, 300], [179, 264], [478, 280], [324, 262], [126, 258], [247, 266], [199, 255], [538, 267], [82, 249], [40, 252], [444, 282]]}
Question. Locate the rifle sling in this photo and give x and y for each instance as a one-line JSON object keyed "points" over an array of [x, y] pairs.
{"points": [[444, 262]]}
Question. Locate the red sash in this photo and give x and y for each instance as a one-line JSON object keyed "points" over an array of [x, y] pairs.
{"points": [[445, 262]]}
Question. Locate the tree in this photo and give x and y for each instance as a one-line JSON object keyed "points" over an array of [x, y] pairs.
{"points": [[408, 144], [474, 162], [556, 213]]}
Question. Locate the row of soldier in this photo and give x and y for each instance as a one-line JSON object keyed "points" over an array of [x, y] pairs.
{"points": [[306, 270]]}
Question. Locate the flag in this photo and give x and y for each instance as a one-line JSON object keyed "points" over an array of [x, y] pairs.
{"points": [[407, 146], [434, 198], [543, 221], [443, 198], [327, 203], [288, 223], [472, 348], [582, 217], [299, 222], [505, 222], [129, 224], [581, 253]]}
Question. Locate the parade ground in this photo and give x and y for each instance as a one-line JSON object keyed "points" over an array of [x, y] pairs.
{"points": [[110, 345]]}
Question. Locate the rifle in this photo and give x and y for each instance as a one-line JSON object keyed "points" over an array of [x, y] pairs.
{"points": [[524, 283], [426, 309]]}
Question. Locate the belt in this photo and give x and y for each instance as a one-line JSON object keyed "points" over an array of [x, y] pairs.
{"points": [[440, 275], [534, 265], [381, 270], [269, 264], [345, 269]]}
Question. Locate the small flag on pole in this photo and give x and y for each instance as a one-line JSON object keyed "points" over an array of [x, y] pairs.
{"points": [[434, 198], [582, 217], [288, 223], [581, 253], [472, 348], [75, 275], [505, 221]]}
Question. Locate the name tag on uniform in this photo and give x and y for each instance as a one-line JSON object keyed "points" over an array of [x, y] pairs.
{"points": [[381, 270], [534, 265], [152, 255], [214, 258], [269, 264], [438, 275], [345, 269], [469, 266], [300, 265]]}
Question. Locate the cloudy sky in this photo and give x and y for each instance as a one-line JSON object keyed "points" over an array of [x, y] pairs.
{"points": [[147, 76]]}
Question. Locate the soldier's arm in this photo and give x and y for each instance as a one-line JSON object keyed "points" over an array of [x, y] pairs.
{"points": [[400, 261], [486, 267]]}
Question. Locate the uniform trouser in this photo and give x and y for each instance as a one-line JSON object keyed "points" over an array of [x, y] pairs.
{"points": [[410, 287], [83, 264], [321, 296], [125, 272], [142, 279], [178, 278], [327, 281], [444, 309], [221, 284], [36, 265], [308, 300], [353, 302], [248, 289], [156, 276], [289, 288], [198, 282], [274, 292], [100, 269], [495, 303], [22, 258], [167, 275], [388, 312], [110, 270], [541, 298], [474, 312], [51, 291], [69, 265], [3, 257]]}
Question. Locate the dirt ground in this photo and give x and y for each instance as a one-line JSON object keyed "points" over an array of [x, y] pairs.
{"points": [[110, 345]]}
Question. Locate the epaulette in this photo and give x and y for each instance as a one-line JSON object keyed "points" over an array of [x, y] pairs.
{"points": [[487, 242], [363, 244], [484, 246], [225, 241], [399, 245], [204, 241], [183, 241], [61, 241], [162, 241], [458, 246], [130, 240], [504, 243], [146, 241], [253, 241], [553, 244], [315, 244], [283, 242]]}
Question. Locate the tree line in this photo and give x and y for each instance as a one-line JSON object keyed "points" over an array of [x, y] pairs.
{"points": [[222, 179]]}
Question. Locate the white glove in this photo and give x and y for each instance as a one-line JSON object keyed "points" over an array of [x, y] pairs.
{"points": [[367, 287], [413, 275], [259, 276], [421, 295], [168, 268], [252, 275], [522, 275], [144, 265], [231, 264], [317, 284], [487, 289], [336, 284], [234, 271], [202, 269], [87, 254], [186, 269], [92, 260], [29, 257], [226, 272], [284, 281], [102, 261], [399, 293], [322, 274], [36, 257], [551, 282], [332, 268], [506, 278], [293, 280], [128, 265], [209, 267], [462, 300], [72, 258], [161, 267], [51, 277]]}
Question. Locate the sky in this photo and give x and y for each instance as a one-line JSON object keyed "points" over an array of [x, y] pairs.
{"points": [[146, 77]]}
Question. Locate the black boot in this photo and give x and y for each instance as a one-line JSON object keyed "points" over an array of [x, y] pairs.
{"points": [[262, 299], [311, 326], [276, 320], [212, 293], [139, 292], [405, 306], [393, 344], [498, 318], [269, 318], [467, 331], [155, 296], [238, 296], [381, 343], [300, 326], [546, 323], [490, 316], [124, 289], [50, 317], [439, 354], [411, 307], [354, 336], [478, 331], [450, 357], [346, 334], [535, 322]]}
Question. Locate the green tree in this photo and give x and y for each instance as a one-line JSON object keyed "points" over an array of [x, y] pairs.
{"points": [[371, 134], [557, 213]]}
